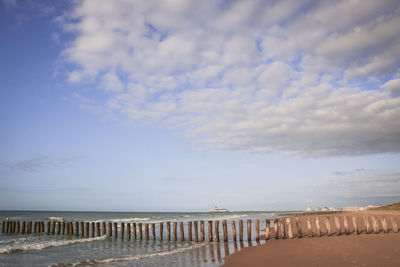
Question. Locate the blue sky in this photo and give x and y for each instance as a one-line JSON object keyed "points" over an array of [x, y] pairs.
{"points": [[184, 105]]}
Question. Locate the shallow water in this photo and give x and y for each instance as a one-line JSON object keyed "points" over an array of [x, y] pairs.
{"points": [[62, 250]]}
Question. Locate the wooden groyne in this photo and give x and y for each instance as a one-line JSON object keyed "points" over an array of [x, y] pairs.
{"points": [[216, 231]]}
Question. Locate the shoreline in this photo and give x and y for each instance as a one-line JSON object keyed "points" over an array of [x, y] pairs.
{"points": [[336, 250]]}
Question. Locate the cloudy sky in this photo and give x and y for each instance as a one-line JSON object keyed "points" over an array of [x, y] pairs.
{"points": [[184, 105]]}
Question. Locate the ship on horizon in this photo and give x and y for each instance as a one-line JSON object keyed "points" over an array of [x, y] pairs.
{"points": [[217, 210]]}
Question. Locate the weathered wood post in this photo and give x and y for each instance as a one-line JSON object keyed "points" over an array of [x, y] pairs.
{"points": [[53, 227], [355, 225], [346, 225], [225, 230], [298, 226], [217, 230], [289, 227], [276, 231], [17, 226], [82, 229], [190, 230], [241, 230], [104, 228], [140, 231], [48, 227], [317, 224], [161, 231], [384, 225], [23, 227], [128, 231], [146, 231], [29, 230], [267, 229], [122, 230], [87, 230], [98, 228], [202, 236], [42, 223], [109, 229], [233, 231], [257, 230], [3, 226], [134, 231], [58, 228], [175, 224], [210, 231], [169, 231], [153, 230], [93, 229], [196, 231], [67, 228], [309, 228], [367, 225], [394, 225], [375, 224], [34, 227], [63, 228], [249, 230], [76, 228], [337, 224], [115, 230], [182, 231], [328, 226]]}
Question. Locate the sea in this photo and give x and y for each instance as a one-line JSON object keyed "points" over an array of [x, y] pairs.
{"points": [[63, 250]]}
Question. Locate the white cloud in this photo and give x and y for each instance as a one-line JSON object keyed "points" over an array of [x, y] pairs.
{"points": [[253, 76]]}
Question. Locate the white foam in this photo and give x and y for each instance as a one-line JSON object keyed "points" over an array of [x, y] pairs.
{"points": [[57, 219], [133, 258], [22, 245]]}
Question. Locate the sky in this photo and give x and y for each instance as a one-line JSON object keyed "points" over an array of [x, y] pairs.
{"points": [[185, 105]]}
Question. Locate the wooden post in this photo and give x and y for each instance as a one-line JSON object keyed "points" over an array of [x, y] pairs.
{"points": [[122, 230], [217, 230], [394, 225], [63, 228], [190, 230], [128, 231], [67, 228], [257, 230], [140, 232], [367, 225], [276, 231], [71, 227], [34, 227], [309, 228], [298, 226], [104, 228], [384, 225], [196, 231], [115, 230], [317, 224], [175, 224], [346, 225], [225, 230], [17, 227], [93, 229], [249, 230], [98, 228], [23, 227], [169, 231], [210, 232], [58, 228], [182, 231], [110, 229], [241, 230], [87, 230], [48, 227], [82, 229], [161, 231], [134, 231], [375, 225], [328, 226], [355, 225], [76, 228], [146, 231], [202, 236], [3, 226], [289, 227], [153, 230], [53, 226], [337, 224], [267, 229], [42, 223], [233, 231], [29, 230]]}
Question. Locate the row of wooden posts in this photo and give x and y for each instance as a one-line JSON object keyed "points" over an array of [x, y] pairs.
{"points": [[282, 228]]}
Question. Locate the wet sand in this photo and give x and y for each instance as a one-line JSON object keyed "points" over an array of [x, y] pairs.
{"points": [[381, 249]]}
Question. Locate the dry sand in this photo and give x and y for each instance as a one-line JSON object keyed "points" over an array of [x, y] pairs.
{"points": [[345, 250]]}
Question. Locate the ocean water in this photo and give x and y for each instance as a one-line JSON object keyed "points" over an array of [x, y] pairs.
{"points": [[63, 250]]}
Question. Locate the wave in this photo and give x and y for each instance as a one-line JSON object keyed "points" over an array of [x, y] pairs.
{"points": [[123, 220], [57, 219], [133, 258], [17, 245]]}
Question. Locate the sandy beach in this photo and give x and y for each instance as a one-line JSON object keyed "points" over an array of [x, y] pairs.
{"points": [[381, 249]]}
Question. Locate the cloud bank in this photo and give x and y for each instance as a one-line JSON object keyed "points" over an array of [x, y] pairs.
{"points": [[299, 77]]}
